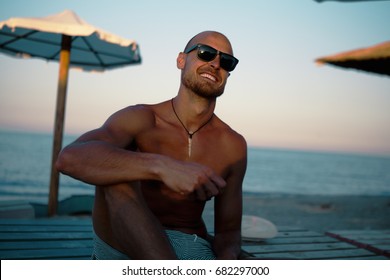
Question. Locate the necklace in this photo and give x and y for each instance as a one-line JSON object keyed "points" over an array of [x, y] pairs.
{"points": [[190, 133]]}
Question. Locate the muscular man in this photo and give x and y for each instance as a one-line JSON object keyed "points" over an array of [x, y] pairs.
{"points": [[155, 166]]}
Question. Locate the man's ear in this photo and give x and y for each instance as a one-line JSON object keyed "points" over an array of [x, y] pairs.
{"points": [[181, 61]]}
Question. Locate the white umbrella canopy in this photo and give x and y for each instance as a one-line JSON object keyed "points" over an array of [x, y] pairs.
{"points": [[66, 38], [92, 48]]}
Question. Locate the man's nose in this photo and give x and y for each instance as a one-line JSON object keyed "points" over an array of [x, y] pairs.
{"points": [[215, 63]]}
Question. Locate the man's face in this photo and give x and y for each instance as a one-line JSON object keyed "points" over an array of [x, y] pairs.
{"points": [[206, 79]]}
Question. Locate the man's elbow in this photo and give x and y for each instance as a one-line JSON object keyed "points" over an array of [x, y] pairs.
{"points": [[65, 161]]}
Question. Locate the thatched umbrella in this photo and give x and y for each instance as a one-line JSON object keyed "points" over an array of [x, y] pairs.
{"points": [[66, 38], [374, 59]]}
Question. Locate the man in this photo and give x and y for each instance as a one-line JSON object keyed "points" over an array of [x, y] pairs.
{"points": [[155, 166]]}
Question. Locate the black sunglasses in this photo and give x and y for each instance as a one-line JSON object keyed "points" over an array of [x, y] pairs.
{"points": [[207, 53]]}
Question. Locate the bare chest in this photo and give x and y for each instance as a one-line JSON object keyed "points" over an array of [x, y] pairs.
{"points": [[203, 147]]}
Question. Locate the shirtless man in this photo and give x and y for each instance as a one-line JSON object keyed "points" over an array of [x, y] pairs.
{"points": [[155, 166]]}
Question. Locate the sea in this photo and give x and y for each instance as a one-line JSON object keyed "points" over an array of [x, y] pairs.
{"points": [[25, 160]]}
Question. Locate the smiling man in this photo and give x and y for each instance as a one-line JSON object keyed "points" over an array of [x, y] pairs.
{"points": [[155, 166]]}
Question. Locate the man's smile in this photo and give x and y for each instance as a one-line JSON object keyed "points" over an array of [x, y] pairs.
{"points": [[209, 76]]}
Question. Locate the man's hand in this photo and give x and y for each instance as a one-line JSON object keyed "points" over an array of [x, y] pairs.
{"points": [[188, 177]]}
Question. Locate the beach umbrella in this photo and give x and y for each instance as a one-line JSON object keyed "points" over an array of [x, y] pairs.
{"points": [[66, 38], [375, 59]]}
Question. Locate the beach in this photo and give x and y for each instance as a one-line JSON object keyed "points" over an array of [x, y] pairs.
{"points": [[318, 213]]}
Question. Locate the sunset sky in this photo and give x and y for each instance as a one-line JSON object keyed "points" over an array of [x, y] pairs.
{"points": [[277, 96]]}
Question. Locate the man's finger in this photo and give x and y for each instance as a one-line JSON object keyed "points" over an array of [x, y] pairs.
{"points": [[218, 181], [211, 189]]}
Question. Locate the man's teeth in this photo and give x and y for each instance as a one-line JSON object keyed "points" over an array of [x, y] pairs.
{"points": [[208, 76]]}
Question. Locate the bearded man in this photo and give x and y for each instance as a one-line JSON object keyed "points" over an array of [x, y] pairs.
{"points": [[155, 166]]}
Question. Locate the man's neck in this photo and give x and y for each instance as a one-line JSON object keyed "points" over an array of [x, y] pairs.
{"points": [[193, 110]]}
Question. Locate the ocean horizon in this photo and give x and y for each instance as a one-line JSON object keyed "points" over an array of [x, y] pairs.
{"points": [[25, 159]]}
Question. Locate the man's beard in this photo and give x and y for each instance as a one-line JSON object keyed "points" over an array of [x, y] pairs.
{"points": [[201, 89]]}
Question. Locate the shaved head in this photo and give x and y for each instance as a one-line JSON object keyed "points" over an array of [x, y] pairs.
{"points": [[205, 36]]}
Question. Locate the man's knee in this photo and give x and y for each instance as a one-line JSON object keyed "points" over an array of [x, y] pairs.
{"points": [[122, 193]]}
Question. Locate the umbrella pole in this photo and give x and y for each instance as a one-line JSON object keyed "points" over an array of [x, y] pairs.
{"points": [[59, 122]]}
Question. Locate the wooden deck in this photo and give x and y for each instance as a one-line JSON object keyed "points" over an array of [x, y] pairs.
{"points": [[377, 241], [296, 243], [46, 239], [71, 238]]}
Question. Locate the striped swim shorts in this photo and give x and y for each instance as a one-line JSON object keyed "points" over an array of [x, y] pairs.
{"points": [[186, 246]]}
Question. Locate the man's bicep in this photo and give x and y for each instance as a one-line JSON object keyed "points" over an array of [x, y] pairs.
{"points": [[119, 129], [107, 135]]}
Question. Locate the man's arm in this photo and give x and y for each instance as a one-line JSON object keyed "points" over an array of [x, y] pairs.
{"points": [[100, 157], [228, 209]]}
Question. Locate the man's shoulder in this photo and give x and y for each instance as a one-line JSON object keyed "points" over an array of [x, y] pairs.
{"points": [[230, 132], [132, 119], [145, 112], [140, 116], [232, 139], [144, 109]]}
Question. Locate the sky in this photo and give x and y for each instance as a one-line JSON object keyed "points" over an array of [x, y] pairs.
{"points": [[277, 97]]}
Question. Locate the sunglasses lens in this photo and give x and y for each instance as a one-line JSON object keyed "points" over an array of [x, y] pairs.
{"points": [[206, 53], [228, 63]]}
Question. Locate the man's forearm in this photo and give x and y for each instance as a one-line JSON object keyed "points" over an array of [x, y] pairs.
{"points": [[100, 163]]}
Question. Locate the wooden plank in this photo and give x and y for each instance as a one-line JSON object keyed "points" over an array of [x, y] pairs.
{"points": [[318, 255], [335, 254], [288, 256], [16, 209], [44, 228], [373, 257], [27, 245], [296, 247], [289, 228], [49, 221], [73, 258], [45, 254], [45, 236], [276, 256], [384, 247], [368, 237], [298, 234], [378, 241], [293, 240], [363, 233]]}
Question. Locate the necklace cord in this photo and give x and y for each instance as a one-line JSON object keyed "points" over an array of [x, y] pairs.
{"points": [[188, 132]]}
